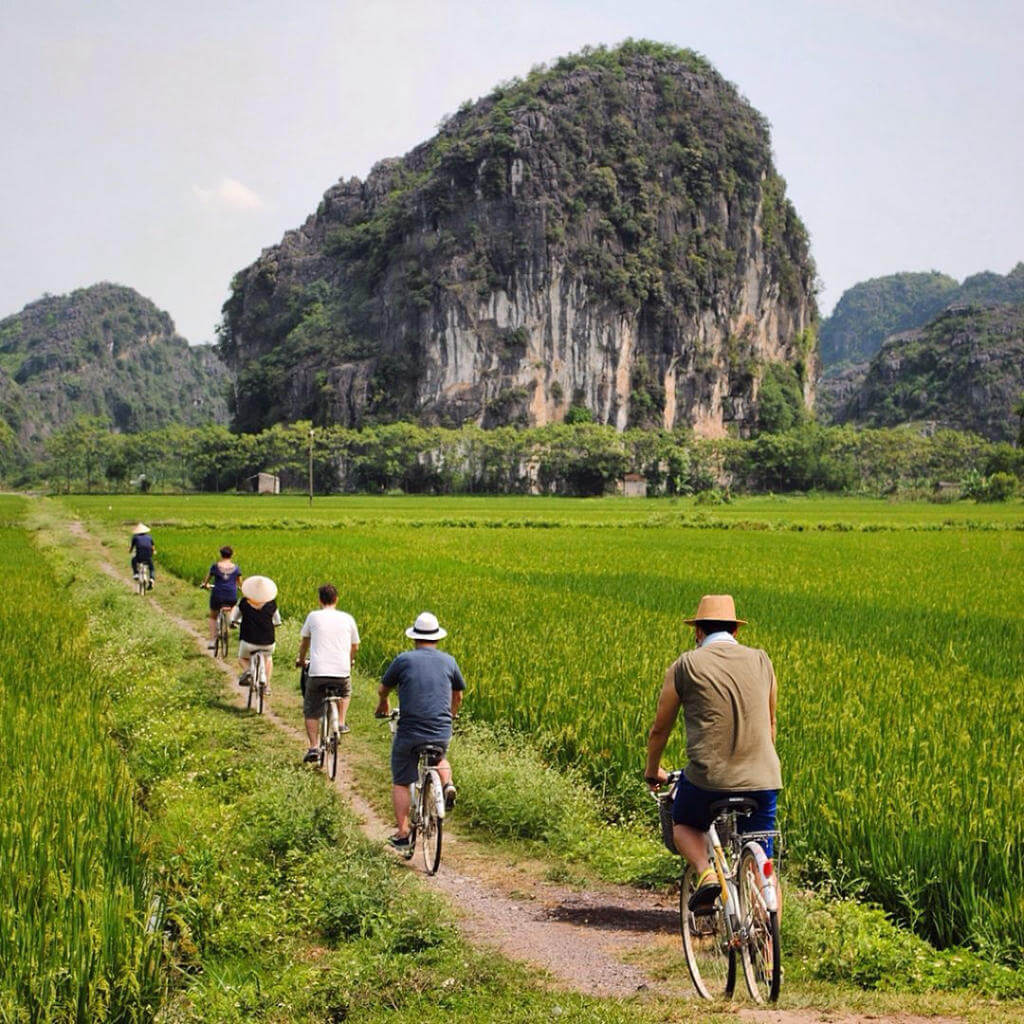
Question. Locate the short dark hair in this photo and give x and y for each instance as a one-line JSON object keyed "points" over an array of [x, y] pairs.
{"points": [[328, 594], [227, 551], [709, 626]]}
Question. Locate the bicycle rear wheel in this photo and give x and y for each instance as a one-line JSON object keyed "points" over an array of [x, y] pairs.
{"points": [[332, 754], [432, 826], [762, 930], [711, 962]]}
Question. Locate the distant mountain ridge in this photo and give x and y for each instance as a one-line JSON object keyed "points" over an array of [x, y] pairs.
{"points": [[872, 310], [103, 351], [607, 237]]}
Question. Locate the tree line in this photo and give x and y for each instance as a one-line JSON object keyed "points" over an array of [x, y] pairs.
{"points": [[571, 459]]}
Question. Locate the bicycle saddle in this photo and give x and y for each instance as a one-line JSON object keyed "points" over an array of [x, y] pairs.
{"points": [[739, 804], [430, 751]]}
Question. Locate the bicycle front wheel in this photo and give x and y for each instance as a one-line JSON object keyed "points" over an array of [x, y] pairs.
{"points": [[332, 753], [432, 826], [711, 961], [761, 927]]}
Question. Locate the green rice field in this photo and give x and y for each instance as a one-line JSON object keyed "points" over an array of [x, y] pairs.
{"points": [[79, 935], [896, 632]]}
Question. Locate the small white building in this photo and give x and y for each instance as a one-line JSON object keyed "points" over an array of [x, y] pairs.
{"points": [[634, 486], [265, 483]]}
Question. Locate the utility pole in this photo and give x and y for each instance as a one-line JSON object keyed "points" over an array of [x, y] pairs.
{"points": [[310, 467]]}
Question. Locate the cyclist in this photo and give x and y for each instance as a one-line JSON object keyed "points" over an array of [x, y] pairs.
{"points": [[142, 549], [225, 577], [258, 615], [728, 695], [331, 638], [430, 688]]}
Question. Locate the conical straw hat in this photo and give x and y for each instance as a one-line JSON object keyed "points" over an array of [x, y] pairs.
{"points": [[260, 589], [140, 528]]}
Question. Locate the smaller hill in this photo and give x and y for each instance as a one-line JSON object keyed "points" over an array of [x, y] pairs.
{"points": [[964, 369], [103, 351], [871, 311]]}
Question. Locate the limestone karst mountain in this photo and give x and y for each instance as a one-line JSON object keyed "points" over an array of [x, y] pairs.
{"points": [[103, 351], [607, 237]]}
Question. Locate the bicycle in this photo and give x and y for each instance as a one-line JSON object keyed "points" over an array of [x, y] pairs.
{"points": [[257, 681], [142, 577], [330, 727], [220, 637], [220, 640], [426, 814], [744, 918]]}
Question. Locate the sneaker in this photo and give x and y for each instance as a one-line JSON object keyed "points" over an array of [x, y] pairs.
{"points": [[313, 754], [703, 897], [450, 793], [343, 728], [211, 647], [244, 679], [403, 844], [135, 575], [150, 587]]}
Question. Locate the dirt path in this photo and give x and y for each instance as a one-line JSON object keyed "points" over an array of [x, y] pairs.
{"points": [[582, 939]]}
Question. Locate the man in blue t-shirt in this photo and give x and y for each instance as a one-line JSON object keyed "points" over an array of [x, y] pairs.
{"points": [[430, 688]]}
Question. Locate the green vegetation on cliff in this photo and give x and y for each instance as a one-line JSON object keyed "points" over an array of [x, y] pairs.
{"points": [[964, 370]]}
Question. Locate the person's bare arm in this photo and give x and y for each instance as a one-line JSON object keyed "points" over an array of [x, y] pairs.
{"points": [[300, 658], [773, 695], [352, 655], [664, 720], [456, 702], [383, 692]]}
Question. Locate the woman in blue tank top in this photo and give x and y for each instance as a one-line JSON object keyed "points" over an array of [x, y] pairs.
{"points": [[223, 581]]}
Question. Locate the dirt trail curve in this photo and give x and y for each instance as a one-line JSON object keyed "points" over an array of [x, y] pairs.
{"points": [[580, 938]]}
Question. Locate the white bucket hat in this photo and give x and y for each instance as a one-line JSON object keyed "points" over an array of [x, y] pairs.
{"points": [[140, 528], [426, 628], [260, 589]]}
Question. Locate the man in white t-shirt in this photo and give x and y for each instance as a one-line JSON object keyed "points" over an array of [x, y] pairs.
{"points": [[331, 639]]}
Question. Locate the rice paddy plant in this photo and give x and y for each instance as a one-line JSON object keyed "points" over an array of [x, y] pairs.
{"points": [[78, 935], [899, 655]]}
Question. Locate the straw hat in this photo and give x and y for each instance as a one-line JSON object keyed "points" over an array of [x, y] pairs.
{"points": [[140, 528], [426, 628], [715, 608], [259, 589]]}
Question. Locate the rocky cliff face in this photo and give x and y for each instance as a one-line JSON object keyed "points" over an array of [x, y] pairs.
{"points": [[103, 351], [609, 234]]}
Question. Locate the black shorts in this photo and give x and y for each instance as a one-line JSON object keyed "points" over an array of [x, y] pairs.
{"points": [[216, 603]]}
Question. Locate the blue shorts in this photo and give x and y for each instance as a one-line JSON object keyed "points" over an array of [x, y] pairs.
{"points": [[405, 761], [692, 807]]}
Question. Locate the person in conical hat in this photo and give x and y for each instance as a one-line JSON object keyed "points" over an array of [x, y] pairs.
{"points": [[257, 616], [728, 694], [142, 550]]}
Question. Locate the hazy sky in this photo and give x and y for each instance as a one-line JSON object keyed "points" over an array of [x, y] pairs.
{"points": [[163, 145]]}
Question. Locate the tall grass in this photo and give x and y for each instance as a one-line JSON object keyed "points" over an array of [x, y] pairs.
{"points": [[899, 655], [76, 942]]}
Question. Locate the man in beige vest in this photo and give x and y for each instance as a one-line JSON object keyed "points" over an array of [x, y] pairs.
{"points": [[728, 694]]}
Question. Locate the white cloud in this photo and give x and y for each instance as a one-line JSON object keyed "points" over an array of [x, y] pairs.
{"points": [[231, 194]]}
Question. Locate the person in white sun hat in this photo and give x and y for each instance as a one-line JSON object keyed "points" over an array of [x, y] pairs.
{"points": [[257, 612], [141, 549], [430, 688]]}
